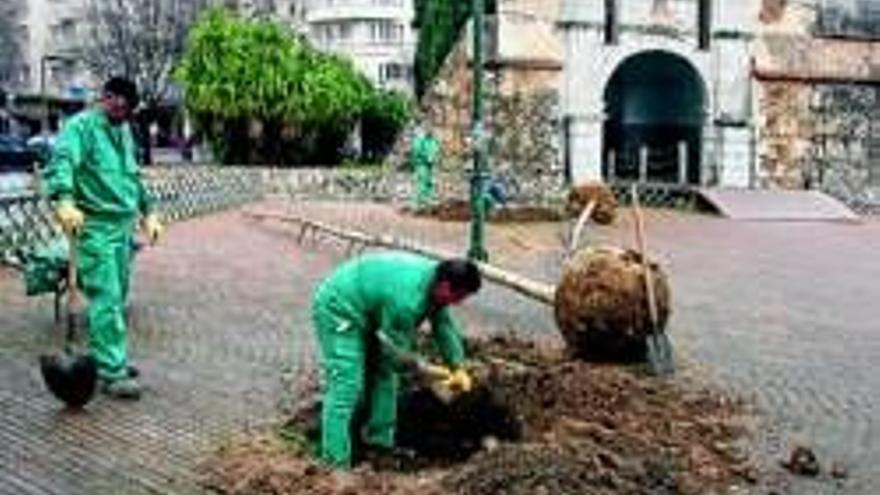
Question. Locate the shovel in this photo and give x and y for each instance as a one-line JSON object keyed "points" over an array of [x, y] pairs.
{"points": [[72, 378], [660, 360]]}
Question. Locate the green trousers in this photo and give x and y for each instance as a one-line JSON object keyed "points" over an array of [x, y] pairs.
{"points": [[104, 263], [425, 191], [355, 374]]}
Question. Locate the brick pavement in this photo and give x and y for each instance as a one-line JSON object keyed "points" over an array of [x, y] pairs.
{"points": [[783, 310]]}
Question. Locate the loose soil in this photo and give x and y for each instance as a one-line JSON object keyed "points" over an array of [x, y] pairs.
{"points": [[536, 423], [459, 210]]}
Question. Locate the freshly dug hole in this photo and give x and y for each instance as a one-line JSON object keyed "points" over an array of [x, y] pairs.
{"points": [[601, 307], [583, 429]]}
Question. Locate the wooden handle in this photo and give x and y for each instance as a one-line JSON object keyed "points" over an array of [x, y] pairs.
{"points": [[582, 220], [533, 289], [73, 302], [643, 251]]}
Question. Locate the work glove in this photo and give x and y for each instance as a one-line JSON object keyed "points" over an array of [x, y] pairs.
{"points": [[435, 372], [69, 217], [152, 227], [447, 388], [459, 381]]}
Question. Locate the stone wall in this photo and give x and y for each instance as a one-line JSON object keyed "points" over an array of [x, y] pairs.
{"points": [[822, 136], [819, 106], [394, 185], [521, 108]]}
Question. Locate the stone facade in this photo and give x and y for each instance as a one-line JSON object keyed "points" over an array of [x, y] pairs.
{"points": [[618, 110], [396, 186], [523, 70], [819, 106]]}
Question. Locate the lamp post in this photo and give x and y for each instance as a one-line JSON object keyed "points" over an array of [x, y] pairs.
{"points": [[477, 250], [44, 125]]}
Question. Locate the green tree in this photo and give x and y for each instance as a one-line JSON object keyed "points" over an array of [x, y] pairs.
{"points": [[440, 23], [383, 117], [262, 94]]}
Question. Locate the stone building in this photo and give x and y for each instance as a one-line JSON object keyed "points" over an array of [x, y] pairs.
{"points": [[659, 90], [817, 73]]}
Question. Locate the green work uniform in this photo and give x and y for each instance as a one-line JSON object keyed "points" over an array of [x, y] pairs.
{"points": [[424, 155], [94, 165], [384, 292]]}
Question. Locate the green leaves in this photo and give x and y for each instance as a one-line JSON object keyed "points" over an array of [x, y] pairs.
{"points": [[252, 74], [258, 69]]}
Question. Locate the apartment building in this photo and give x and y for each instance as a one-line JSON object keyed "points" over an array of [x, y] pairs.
{"points": [[48, 34], [376, 34]]}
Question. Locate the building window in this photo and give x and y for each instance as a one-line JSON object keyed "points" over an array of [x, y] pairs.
{"points": [[385, 31], [394, 71], [849, 18]]}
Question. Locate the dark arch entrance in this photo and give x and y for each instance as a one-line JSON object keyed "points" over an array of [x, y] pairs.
{"points": [[654, 105]]}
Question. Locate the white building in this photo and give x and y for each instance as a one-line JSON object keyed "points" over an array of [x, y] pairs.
{"points": [[49, 32], [376, 34], [660, 90]]}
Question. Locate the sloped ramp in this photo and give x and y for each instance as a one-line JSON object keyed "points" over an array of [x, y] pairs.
{"points": [[777, 205]]}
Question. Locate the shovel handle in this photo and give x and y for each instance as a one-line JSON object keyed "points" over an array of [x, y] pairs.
{"points": [[72, 290], [643, 251]]}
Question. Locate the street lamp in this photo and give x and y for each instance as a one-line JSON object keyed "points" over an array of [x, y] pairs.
{"points": [[477, 250], [44, 125]]}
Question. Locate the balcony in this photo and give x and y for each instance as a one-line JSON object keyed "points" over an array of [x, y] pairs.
{"points": [[330, 10]]}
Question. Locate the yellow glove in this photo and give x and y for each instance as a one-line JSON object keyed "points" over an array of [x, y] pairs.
{"points": [[435, 371], [69, 217], [153, 228], [460, 381]]}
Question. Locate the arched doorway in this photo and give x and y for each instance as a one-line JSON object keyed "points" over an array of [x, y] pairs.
{"points": [[654, 104]]}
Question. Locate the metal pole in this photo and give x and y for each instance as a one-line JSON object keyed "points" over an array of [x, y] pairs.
{"points": [[612, 166], [682, 162], [643, 164], [44, 125], [477, 250]]}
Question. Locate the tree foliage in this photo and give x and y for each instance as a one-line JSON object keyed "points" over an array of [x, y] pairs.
{"points": [[383, 117], [254, 83], [440, 23], [138, 39]]}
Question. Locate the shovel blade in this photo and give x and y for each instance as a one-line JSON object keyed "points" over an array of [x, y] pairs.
{"points": [[71, 378], [660, 360]]}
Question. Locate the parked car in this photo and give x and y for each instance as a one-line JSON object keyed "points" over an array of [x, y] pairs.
{"points": [[15, 155], [42, 145]]}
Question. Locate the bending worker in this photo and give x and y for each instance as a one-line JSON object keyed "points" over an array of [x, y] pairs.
{"points": [[365, 313], [95, 185]]}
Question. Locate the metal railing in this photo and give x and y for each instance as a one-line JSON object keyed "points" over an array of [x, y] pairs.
{"points": [[26, 222]]}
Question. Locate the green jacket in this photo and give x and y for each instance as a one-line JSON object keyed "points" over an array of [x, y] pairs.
{"points": [[94, 164], [425, 150], [390, 292]]}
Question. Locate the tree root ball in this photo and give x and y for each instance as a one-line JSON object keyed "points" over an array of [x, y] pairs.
{"points": [[579, 196], [601, 305]]}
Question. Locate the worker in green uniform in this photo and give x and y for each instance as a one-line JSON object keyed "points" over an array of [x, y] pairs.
{"points": [[95, 185], [424, 156], [366, 314]]}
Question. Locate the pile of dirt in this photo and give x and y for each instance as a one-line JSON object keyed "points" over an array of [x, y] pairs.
{"points": [[459, 210], [537, 423], [601, 304]]}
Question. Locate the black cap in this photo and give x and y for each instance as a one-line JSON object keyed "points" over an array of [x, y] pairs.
{"points": [[123, 87]]}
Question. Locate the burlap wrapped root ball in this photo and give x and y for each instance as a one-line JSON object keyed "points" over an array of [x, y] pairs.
{"points": [[579, 196], [601, 307]]}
